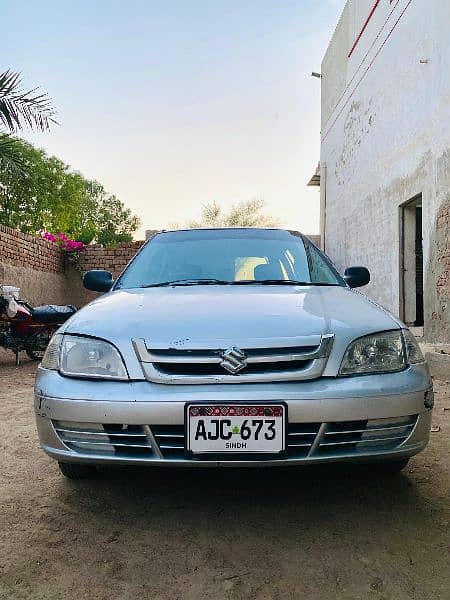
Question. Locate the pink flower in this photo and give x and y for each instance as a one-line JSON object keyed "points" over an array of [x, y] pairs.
{"points": [[49, 236], [73, 246], [63, 241]]}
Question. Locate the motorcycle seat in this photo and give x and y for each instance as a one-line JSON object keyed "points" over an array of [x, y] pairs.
{"points": [[51, 313]]}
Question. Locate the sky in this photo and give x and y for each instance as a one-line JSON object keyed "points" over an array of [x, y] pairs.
{"points": [[172, 104]]}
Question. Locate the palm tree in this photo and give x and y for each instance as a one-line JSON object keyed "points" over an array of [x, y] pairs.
{"points": [[20, 109]]}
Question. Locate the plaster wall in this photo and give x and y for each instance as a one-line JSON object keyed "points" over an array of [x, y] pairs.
{"points": [[36, 287], [386, 139]]}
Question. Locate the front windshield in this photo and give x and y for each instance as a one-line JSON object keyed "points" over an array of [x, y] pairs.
{"points": [[228, 256]]}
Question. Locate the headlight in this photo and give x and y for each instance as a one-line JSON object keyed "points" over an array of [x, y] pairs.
{"points": [[377, 353], [84, 357], [51, 355], [413, 352]]}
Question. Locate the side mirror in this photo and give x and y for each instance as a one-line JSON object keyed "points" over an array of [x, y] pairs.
{"points": [[356, 276], [98, 280]]}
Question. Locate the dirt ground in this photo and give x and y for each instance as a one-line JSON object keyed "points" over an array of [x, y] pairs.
{"points": [[310, 533]]}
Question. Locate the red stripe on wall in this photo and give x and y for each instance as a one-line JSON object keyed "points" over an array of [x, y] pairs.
{"points": [[374, 8]]}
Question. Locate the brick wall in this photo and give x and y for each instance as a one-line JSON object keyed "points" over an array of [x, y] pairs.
{"points": [[40, 269], [34, 265], [111, 259], [24, 250], [97, 257]]}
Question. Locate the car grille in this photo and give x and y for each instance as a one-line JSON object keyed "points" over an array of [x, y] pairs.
{"points": [[300, 438], [326, 440], [250, 364], [200, 369], [104, 439], [170, 440], [364, 436]]}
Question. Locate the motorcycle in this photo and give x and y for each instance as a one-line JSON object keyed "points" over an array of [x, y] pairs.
{"points": [[24, 328]]}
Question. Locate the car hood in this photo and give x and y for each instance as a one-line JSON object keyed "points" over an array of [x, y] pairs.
{"points": [[224, 316]]}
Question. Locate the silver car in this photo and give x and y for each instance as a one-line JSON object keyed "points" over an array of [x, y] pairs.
{"points": [[231, 347]]}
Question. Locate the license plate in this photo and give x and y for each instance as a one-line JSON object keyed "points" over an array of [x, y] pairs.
{"points": [[223, 428]]}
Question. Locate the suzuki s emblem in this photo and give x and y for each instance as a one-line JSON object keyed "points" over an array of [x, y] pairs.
{"points": [[233, 360]]}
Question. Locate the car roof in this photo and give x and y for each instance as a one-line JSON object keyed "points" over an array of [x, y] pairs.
{"points": [[184, 229]]}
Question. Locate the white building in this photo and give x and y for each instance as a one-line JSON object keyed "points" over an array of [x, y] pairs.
{"points": [[385, 154]]}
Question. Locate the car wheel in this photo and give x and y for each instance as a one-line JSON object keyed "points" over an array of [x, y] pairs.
{"points": [[76, 471], [392, 466]]}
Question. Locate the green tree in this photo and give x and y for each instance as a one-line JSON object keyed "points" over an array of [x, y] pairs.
{"points": [[245, 214], [20, 109], [29, 202], [53, 197], [41, 192], [10, 155], [109, 219]]}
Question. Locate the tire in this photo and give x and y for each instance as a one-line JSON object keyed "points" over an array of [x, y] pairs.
{"points": [[390, 467], [76, 471]]}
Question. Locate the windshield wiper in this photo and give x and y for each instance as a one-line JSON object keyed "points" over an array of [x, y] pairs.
{"points": [[188, 282], [280, 282], [212, 281], [270, 282]]}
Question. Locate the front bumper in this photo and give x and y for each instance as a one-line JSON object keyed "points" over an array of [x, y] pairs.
{"points": [[379, 417]]}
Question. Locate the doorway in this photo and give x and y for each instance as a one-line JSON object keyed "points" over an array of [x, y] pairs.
{"points": [[412, 262]]}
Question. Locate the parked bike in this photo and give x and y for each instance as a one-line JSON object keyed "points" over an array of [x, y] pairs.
{"points": [[28, 329]]}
